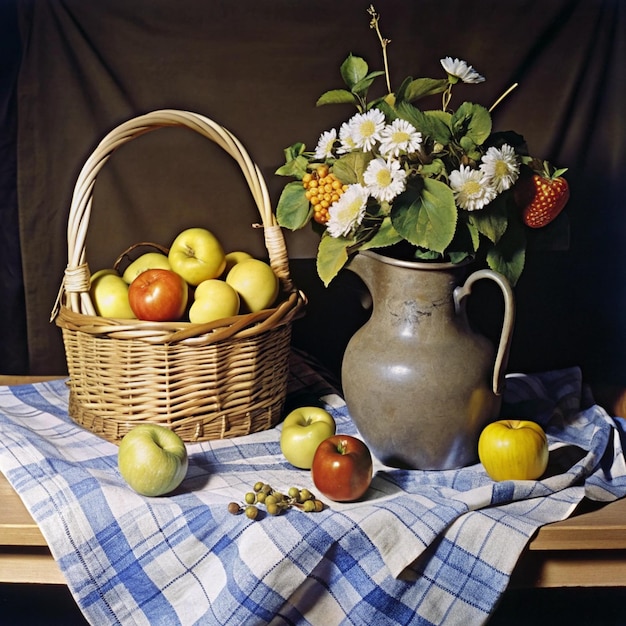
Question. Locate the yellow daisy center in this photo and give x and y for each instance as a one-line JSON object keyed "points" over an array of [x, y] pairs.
{"points": [[471, 187]]}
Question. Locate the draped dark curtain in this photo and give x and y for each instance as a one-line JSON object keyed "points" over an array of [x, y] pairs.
{"points": [[257, 68]]}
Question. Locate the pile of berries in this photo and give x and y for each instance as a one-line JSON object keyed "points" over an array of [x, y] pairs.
{"points": [[275, 502], [322, 190]]}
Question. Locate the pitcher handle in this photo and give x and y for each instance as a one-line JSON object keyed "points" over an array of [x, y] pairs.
{"points": [[502, 355]]}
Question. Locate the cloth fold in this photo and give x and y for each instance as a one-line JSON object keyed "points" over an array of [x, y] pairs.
{"points": [[423, 547]]}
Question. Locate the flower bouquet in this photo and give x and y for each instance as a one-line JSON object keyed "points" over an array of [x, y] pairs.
{"points": [[425, 184]]}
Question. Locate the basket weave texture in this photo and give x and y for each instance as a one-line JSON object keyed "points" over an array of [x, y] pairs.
{"points": [[203, 381]]}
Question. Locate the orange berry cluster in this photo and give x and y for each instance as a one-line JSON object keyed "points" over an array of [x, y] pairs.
{"points": [[322, 190]]}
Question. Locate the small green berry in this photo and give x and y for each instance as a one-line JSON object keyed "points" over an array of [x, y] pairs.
{"points": [[273, 509], [251, 511], [250, 498]]}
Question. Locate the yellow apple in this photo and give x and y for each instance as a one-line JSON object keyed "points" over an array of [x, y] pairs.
{"points": [[303, 430], [232, 258], [214, 299], [109, 294], [512, 449], [196, 254], [147, 261], [255, 282]]}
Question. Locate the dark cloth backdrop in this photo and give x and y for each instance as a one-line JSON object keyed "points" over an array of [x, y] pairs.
{"points": [[257, 68]]}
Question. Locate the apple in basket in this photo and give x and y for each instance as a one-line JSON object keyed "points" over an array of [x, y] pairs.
{"points": [[196, 254], [213, 300], [158, 295], [342, 468], [152, 459], [234, 257], [303, 430], [109, 294], [255, 282], [147, 261], [512, 449]]}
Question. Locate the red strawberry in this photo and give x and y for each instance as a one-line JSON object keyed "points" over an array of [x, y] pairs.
{"points": [[542, 197]]}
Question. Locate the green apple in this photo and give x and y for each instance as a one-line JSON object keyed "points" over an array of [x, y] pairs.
{"points": [[232, 258], [303, 430], [196, 254], [213, 300], [512, 449], [109, 295], [152, 459], [147, 261], [255, 282]]}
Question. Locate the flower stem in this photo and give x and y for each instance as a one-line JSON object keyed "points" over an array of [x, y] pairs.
{"points": [[503, 96], [383, 42], [446, 97]]}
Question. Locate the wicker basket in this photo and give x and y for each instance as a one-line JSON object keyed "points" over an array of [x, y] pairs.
{"points": [[204, 381]]}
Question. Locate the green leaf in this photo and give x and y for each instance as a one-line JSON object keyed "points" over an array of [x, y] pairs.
{"points": [[349, 168], [434, 124], [492, 221], [332, 255], [292, 152], [458, 257], [336, 96], [426, 218], [385, 236], [353, 70], [434, 169], [400, 94], [466, 239], [293, 210], [509, 255], [438, 126], [470, 148], [363, 85], [296, 167], [421, 87], [473, 121]]}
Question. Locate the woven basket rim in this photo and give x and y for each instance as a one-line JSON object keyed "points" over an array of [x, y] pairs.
{"points": [[74, 307]]}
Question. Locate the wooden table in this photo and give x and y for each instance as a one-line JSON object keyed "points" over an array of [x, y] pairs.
{"points": [[586, 550]]}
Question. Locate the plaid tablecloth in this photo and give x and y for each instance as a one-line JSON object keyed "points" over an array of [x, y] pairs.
{"points": [[422, 548]]}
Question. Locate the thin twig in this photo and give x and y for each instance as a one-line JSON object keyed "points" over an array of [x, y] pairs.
{"points": [[503, 96], [383, 42]]}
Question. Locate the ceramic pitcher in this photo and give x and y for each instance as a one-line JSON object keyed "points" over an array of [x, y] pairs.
{"points": [[419, 383]]}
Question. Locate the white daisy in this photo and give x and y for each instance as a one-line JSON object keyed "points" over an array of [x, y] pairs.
{"points": [[365, 128], [471, 189], [501, 167], [347, 213], [325, 145], [345, 137], [384, 179], [458, 69], [399, 136]]}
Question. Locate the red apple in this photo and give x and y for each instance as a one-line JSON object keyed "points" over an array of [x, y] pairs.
{"points": [[342, 468], [158, 295]]}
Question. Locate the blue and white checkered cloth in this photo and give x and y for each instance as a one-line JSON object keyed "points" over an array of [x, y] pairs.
{"points": [[422, 548]]}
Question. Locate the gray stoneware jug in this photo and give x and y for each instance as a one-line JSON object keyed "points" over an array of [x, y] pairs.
{"points": [[419, 383]]}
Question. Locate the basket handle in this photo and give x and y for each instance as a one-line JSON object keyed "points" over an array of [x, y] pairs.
{"points": [[75, 284]]}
